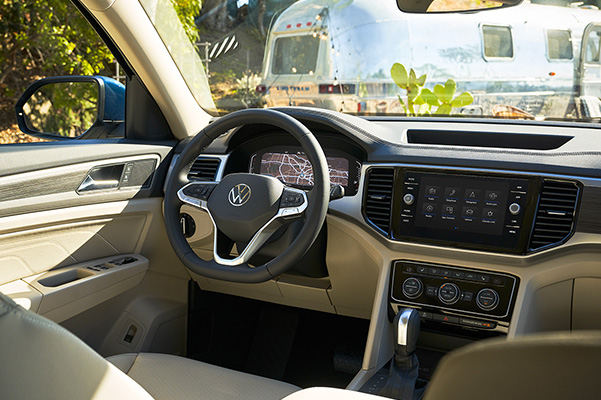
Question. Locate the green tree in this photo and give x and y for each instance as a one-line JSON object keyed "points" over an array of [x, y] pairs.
{"points": [[40, 38]]}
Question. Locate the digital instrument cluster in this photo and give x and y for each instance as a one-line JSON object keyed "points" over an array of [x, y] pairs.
{"points": [[292, 167]]}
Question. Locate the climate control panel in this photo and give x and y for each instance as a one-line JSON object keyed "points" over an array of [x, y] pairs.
{"points": [[462, 291]]}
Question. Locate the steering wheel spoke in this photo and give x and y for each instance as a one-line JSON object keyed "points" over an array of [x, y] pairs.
{"points": [[255, 243], [293, 203], [196, 193]]}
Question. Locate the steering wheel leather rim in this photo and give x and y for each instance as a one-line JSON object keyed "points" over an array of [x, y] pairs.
{"points": [[314, 214]]}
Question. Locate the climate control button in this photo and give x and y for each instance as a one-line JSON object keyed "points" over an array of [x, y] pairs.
{"points": [[487, 299], [449, 293], [412, 288]]}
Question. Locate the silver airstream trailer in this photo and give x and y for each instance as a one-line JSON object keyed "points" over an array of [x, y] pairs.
{"points": [[528, 60]]}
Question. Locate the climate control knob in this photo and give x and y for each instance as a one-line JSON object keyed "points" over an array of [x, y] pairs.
{"points": [[487, 299], [449, 293], [412, 288]]}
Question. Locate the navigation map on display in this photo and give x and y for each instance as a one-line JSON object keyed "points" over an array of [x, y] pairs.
{"points": [[295, 169]]}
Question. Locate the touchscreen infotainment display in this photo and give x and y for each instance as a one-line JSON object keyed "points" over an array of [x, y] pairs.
{"points": [[460, 204], [473, 211]]}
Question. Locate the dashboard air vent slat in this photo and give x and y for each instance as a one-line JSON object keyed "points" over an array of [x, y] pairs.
{"points": [[378, 198], [555, 216], [204, 169]]}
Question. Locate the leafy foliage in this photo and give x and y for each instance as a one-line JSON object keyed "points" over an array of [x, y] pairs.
{"points": [[40, 38], [44, 38], [442, 97], [65, 108], [187, 10]]}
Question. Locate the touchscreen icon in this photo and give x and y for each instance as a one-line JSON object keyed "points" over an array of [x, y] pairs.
{"points": [[432, 191], [430, 208], [449, 210], [452, 192], [472, 196], [469, 213], [492, 195], [489, 214]]}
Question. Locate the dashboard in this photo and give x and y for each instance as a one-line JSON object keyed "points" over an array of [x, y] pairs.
{"points": [[486, 229]]}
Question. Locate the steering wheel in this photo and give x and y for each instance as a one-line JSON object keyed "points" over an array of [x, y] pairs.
{"points": [[247, 208]]}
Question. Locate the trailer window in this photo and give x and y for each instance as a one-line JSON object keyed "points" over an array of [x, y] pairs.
{"points": [[559, 44], [592, 47], [498, 42], [295, 55]]}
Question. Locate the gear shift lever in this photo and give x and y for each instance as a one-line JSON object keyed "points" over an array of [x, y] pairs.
{"points": [[404, 367], [406, 331]]}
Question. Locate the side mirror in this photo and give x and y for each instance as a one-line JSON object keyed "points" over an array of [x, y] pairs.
{"points": [[67, 107]]}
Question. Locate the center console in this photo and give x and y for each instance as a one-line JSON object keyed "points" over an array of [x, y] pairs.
{"points": [[463, 297]]}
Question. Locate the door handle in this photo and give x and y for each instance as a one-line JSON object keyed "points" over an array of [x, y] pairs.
{"points": [[90, 184]]}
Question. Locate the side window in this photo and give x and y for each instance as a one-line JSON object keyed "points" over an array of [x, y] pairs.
{"points": [[591, 54], [497, 42], [48, 41], [559, 44]]}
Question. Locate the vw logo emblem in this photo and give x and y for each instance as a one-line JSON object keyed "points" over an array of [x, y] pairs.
{"points": [[239, 195]]}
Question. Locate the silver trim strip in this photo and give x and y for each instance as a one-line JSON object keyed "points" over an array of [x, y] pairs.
{"points": [[403, 326]]}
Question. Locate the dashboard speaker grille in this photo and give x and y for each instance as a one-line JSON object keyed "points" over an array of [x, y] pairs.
{"points": [[555, 214], [378, 197], [204, 169]]}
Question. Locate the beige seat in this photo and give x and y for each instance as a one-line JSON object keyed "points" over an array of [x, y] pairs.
{"points": [[40, 359], [550, 366]]}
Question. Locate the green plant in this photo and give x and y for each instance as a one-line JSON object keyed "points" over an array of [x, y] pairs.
{"points": [[442, 97], [245, 89]]}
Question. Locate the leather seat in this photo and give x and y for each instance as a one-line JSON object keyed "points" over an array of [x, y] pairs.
{"points": [[40, 359], [550, 366]]}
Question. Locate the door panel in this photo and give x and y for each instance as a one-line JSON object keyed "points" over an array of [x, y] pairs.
{"points": [[53, 235], [79, 184], [36, 250]]}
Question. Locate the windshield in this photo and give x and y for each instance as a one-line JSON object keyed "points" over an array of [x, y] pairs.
{"points": [[534, 61]]}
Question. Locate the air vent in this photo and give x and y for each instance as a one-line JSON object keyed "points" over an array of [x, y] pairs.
{"points": [[555, 214], [204, 169], [378, 197]]}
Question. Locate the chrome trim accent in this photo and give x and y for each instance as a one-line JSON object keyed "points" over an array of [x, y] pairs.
{"points": [[90, 184], [262, 235], [239, 195], [403, 326]]}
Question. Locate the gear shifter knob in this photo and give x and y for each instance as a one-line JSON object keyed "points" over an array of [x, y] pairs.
{"points": [[406, 331]]}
